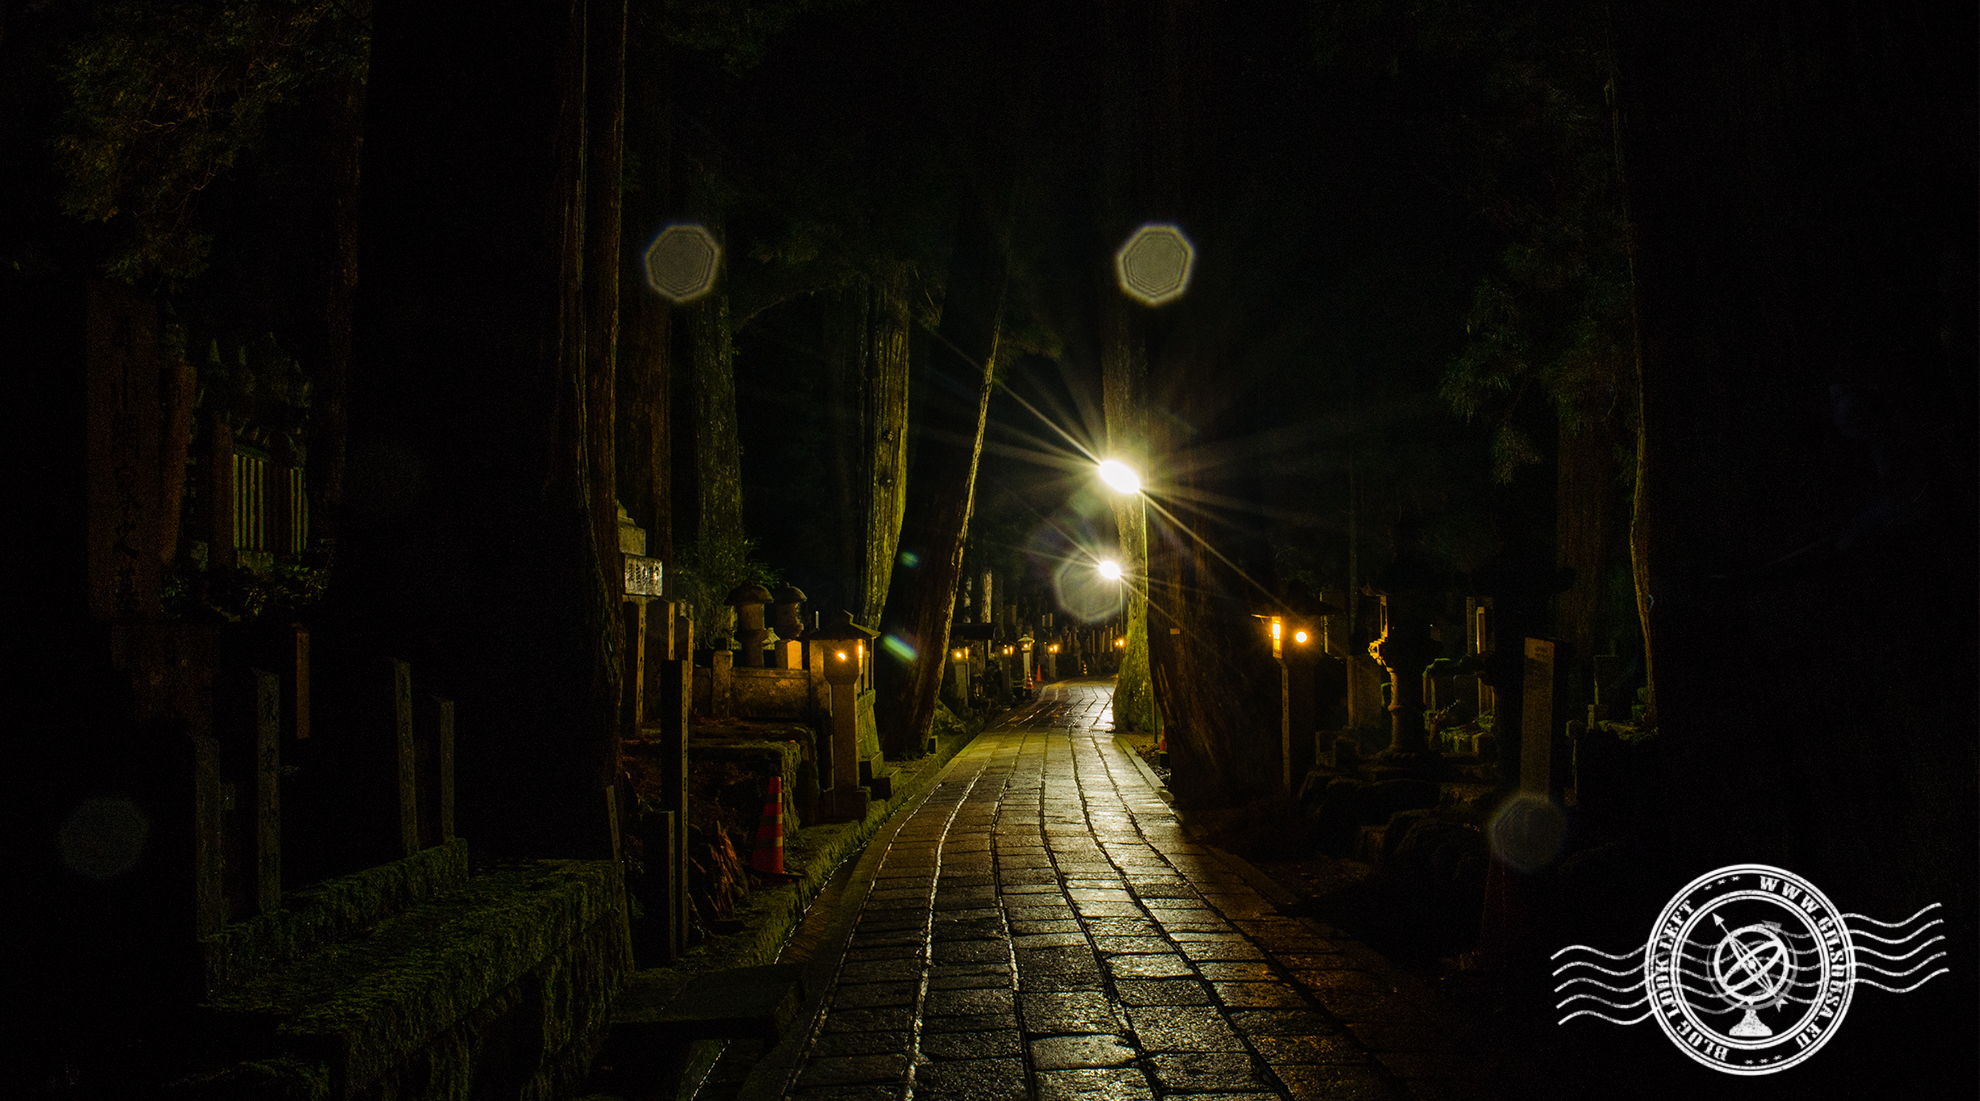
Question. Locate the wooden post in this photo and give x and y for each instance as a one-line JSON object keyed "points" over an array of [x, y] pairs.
{"points": [[209, 893], [1301, 716], [661, 835], [268, 790], [720, 683], [616, 840], [219, 479], [445, 710], [675, 704], [1285, 729], [683, 635], [297, 674], [633, 711], [408, 771], [436, 771], [1536, 727]]}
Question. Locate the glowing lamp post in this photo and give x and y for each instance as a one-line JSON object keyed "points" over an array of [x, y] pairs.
{"points": [[1052, 661], [839, 650], [1296, 644], [1120, 477]]}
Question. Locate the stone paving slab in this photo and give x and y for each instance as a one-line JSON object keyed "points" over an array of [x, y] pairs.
{"points": [[1039, 927]]}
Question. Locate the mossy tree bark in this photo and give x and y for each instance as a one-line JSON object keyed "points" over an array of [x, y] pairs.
{"points": [[600, 269], [1586, 498], [948, 443], [1124, 396], [329, 453], [1151, 135], [868, 329], [481, 480], [719, 550], [645, 373], [884, 428]]}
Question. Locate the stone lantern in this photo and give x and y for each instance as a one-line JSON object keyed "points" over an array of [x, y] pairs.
{"points": [[838, 650], [1300, 643], [748, 601], [787, 618], [1404, 648]]}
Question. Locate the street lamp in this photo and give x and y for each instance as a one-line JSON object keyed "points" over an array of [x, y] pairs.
{"points": [[1109, 569], [1120, 477]]}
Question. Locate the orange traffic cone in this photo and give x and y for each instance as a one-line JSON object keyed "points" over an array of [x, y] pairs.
{"points": [[769, 855]]}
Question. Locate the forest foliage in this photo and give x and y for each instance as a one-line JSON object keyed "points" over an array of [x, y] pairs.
{"points": [[1533, 153], [166, 96]]}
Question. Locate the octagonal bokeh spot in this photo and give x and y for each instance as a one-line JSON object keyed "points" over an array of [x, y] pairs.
{"points": [[681, 262], [1153, 267]]}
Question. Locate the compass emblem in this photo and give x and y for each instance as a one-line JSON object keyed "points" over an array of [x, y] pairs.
{"points": [[1753, 967]]}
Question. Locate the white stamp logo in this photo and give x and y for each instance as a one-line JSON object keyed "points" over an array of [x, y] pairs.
{"points": [[1749, 969]]}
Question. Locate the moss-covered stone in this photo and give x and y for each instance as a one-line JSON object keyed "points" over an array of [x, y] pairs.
{"points": [[370, 1005], [332, 911], [282, 1078]]}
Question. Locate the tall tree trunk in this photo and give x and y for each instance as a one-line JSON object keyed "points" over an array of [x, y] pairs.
{"points": [[329, 450], [1124, 397], [605, 118], [921, 600], [1127, 188], [867, 330], [474, 483], [844, 326], [718, 537], [884, 344], [1199, 679], [645, 370], [1585, 490]]}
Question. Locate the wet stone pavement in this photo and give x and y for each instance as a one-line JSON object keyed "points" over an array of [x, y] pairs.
{"points": [[1041, 927]]}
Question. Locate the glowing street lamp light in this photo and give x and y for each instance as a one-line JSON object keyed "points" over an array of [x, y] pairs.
{"points": [[1109, 569], [1120, 477]]}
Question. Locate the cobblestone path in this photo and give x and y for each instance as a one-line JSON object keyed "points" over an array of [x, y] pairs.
{"points": [[1040, 927]]}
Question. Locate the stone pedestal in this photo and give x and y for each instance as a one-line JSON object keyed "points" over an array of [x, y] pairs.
{"points": [[841, 652], [720, 662], [748, 601]]}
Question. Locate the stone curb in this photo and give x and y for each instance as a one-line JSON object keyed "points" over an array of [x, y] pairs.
{"points": [[1147, 773], [773, 1076], [772, 914]]}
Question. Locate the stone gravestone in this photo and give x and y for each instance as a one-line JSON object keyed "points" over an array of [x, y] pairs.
{"points": [[1537, 718]]}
